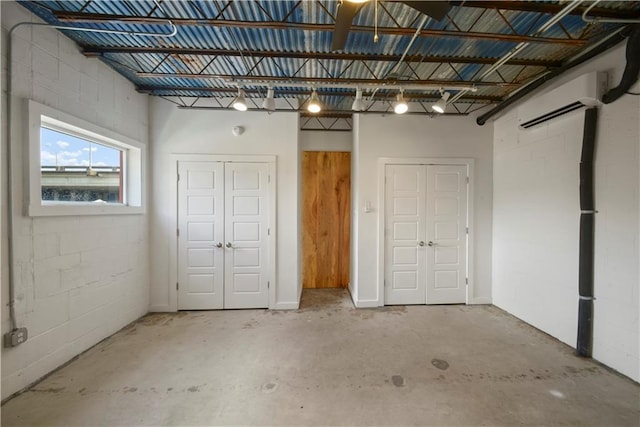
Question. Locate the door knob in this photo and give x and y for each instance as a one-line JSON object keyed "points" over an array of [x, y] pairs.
{"points": [[229, 245], [432, 244], [421, 243], [218, 245]]}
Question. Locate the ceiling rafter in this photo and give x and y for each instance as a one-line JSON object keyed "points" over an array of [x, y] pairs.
{"points": [[285, 92], [549, 8], [91, 51], [76, 17], [337, 81]]}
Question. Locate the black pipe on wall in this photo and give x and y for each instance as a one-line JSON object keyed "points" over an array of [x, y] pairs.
{"points": [[587, 229], [606, 45], [630, 74]]}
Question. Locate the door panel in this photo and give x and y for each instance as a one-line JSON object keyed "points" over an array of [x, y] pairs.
{"points": [[404, 229], [200, 221], [326, 192], [446, 230], [246, 231]]}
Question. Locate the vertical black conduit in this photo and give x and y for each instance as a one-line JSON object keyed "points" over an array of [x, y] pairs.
{"points": [[587, 228]]}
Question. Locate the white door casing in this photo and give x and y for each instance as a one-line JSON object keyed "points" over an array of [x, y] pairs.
{"points": [[425, 244], [223, 235], [201, 225]]}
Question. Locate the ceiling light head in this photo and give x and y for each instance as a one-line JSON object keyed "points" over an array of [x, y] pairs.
{"points": [[358, 103], [400, 106], [269, 102], [239, 102], [314, 105], [357, 1], [441, 105]]}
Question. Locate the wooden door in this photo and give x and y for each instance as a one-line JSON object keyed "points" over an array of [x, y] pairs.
{"points": [[326, 221]]}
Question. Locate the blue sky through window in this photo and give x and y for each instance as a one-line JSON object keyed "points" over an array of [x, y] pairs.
{"points": [[61, 149]]}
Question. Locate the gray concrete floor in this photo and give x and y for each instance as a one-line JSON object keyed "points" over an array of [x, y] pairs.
{"points": [[329, 364]]}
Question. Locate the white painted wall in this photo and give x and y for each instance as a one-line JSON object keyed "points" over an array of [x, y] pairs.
{"points": [[317, 140], [536, 222], [78, 279], [176, 131], [415, 136]]}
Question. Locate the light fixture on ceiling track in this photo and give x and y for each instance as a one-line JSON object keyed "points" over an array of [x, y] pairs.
{"points": [[358, 103], [400, 106], [239, 102], [441, 104], [269, 102], [314, 105]]}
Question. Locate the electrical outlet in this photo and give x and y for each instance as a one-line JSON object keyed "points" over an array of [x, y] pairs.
{"points": [[15, 337]]}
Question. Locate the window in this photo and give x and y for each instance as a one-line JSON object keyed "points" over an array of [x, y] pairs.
{"points": [[78, 168]]}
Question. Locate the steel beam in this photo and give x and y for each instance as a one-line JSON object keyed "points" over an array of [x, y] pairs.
{"points": [[93, 51], [550, 8], [77, 17]]}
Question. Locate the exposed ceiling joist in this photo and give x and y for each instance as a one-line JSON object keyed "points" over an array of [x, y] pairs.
{"points": [[92, 51], [550, 8], [302, 81], [77, 17], [286, 92]]}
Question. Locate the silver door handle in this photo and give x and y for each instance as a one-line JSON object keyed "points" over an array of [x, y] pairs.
{"points": [[218, 245], [432, 244], [229, 245], [421, 243]]}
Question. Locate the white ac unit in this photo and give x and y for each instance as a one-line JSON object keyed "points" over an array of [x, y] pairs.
{"points": [[585, 90]]}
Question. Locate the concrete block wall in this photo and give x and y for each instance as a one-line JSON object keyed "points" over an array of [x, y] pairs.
{"points": [[78, 278], [536, 221]]}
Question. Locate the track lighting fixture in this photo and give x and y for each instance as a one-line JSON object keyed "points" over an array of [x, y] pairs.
{"points": [[400, 106], [358, 103], [269, 102], [314, 105], [441, 105], [239, 102]]}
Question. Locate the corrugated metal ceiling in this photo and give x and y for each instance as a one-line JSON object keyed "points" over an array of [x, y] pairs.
{"points": [[287, 44]]}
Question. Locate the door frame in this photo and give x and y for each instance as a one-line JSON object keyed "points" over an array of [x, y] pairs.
{"points": [[172, 223], [443, 161]]}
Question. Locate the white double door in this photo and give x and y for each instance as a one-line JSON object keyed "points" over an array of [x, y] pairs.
{"points": [[425, 234], [223, 234]]}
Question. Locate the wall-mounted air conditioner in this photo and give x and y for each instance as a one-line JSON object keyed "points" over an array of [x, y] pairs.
{"points": [[585, 90]]}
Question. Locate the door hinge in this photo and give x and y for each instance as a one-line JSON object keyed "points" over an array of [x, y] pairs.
{"points": [[178, 177], [466, 280], [268, 285], [268, 232], [178, 232], [467, 230], [269, 178], [177, 286], [467, 180]]}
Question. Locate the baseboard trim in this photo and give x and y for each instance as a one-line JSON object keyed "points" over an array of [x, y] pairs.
{"points": [[367, 303], [161, 309], [480, 301], [287, 305]]}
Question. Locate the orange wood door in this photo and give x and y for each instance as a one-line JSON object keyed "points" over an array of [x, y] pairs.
{"points": [[326, 221]]}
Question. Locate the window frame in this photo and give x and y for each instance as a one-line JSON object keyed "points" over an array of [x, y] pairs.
{"points": [[133, 165]]}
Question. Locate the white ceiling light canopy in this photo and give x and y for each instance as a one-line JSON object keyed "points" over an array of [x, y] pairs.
{"points": [[358, 103], [239, 102], [269, 102], [400, 106], [441, 105], [314, 105]]}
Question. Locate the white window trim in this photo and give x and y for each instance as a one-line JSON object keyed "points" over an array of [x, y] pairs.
{"points": [[134, 167]]}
